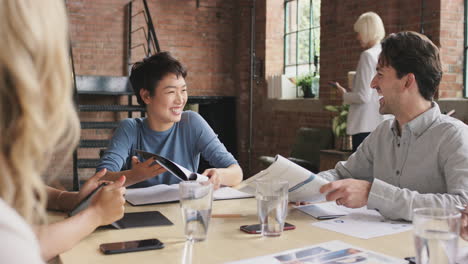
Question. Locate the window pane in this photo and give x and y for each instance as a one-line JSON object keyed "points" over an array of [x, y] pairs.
{"points": [[290, 42], [291, 16], [304, 47], [290, 71], [316, 44], [303, 69], [315, 13], [304, 14]]}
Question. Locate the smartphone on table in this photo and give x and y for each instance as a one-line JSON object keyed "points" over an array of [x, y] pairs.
{"points": [[131, 246], [257, 229]]}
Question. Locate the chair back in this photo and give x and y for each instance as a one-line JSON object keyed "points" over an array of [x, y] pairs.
{"points": [[309, 142]]}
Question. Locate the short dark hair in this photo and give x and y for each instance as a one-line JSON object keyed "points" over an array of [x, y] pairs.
{"points": [[411, 52], [147, 73]]}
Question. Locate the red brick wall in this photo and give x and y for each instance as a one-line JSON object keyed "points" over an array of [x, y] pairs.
{"points": [[97, 35], [451, 47], [201, 37]]}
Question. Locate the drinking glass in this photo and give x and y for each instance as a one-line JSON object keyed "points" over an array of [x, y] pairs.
{"points": [[436, 233], [272, 206], [196, 199]]}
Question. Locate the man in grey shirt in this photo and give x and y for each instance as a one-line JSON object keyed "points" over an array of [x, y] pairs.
{"points": [[417, 159]]}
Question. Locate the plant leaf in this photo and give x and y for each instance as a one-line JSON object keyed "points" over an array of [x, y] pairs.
{"points": [[331, 108]]}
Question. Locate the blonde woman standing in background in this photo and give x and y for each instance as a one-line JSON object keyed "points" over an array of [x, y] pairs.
{"points": [[37, 119], [364, 115]]}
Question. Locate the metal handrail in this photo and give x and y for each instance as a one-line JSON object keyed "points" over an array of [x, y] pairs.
{"points": [[152, 43], [151, 31]]}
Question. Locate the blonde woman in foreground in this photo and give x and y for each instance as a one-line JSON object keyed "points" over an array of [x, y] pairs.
{"points": [[37, 119]]}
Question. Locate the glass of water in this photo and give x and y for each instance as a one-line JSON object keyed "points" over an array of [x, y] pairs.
{"points": [[436, 233], [196, 199], [272, 206]]}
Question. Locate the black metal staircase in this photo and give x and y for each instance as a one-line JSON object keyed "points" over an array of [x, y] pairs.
{"points": [[115, 86]]}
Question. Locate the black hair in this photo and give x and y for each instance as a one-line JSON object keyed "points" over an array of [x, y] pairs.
{"points": [[147, 73], [411, 52]]}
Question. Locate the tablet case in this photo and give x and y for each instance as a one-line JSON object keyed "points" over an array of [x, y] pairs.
{"points": [[142, 219]]}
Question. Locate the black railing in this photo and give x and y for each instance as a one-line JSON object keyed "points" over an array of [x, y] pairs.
{"points": [[152, 45]]}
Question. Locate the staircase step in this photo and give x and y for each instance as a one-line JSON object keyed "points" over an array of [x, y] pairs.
{"points": [[103, 85], [87, 163], [94, 143], [111, 108], [99, 125]]}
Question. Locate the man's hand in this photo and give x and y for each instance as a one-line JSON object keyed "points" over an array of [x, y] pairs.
{"points": [[91, 184], [351, 193], [108, 204], [464, 224], [144, 170], [215, 179]]}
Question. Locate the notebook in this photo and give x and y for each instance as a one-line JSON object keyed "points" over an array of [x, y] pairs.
{"points": [[142, 219]]}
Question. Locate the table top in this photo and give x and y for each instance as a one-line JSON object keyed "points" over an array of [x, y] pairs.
{"points": [[225, 241]]}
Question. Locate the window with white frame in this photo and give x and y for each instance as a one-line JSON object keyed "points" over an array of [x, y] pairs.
{"points": [[302, 40]]}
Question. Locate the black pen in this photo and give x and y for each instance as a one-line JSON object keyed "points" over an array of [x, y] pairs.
{"points": [[326, 217]]}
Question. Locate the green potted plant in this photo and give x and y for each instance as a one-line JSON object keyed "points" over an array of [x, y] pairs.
{"points": [[305, 82], [342, 140]]}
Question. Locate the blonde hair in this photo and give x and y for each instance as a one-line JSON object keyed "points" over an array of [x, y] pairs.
{"points": [[37, 116], [371, 28]]}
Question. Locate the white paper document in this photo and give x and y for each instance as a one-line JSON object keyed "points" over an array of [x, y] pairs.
{"points": [[364, 224], [333, 252], [303, 184], [170, 193], [328, 210]]}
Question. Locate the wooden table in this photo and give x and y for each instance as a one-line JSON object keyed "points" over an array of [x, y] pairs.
{"points": [[225, 242], [329, 158]]}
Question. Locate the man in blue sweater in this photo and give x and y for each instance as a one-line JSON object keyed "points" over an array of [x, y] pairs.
{"points": [[181, 136]]}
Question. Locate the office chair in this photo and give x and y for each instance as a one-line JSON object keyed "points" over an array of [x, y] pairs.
{"points": [[306, 149]]}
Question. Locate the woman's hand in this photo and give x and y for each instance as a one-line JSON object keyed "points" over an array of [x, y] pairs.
{"points": [[108, 204], [341, 90], [144, 170], [90, 185], [214, 176]]}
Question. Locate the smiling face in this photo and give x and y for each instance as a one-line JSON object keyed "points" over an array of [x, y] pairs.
{"points": [[166, 105], [388, 86]]}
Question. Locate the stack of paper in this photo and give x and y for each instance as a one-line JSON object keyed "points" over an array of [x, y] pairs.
{"points": [[170, 193]]}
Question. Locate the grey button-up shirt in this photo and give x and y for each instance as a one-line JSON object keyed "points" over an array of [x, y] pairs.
{"points": [[427, 166]]}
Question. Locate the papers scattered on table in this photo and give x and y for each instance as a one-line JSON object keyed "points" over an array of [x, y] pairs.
{"points": [[170, 193], [328, 210], [333, 252], [364, 224]]}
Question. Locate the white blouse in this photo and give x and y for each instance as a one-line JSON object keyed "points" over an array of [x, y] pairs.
{"points": [[19, 243], [364, 113]]}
